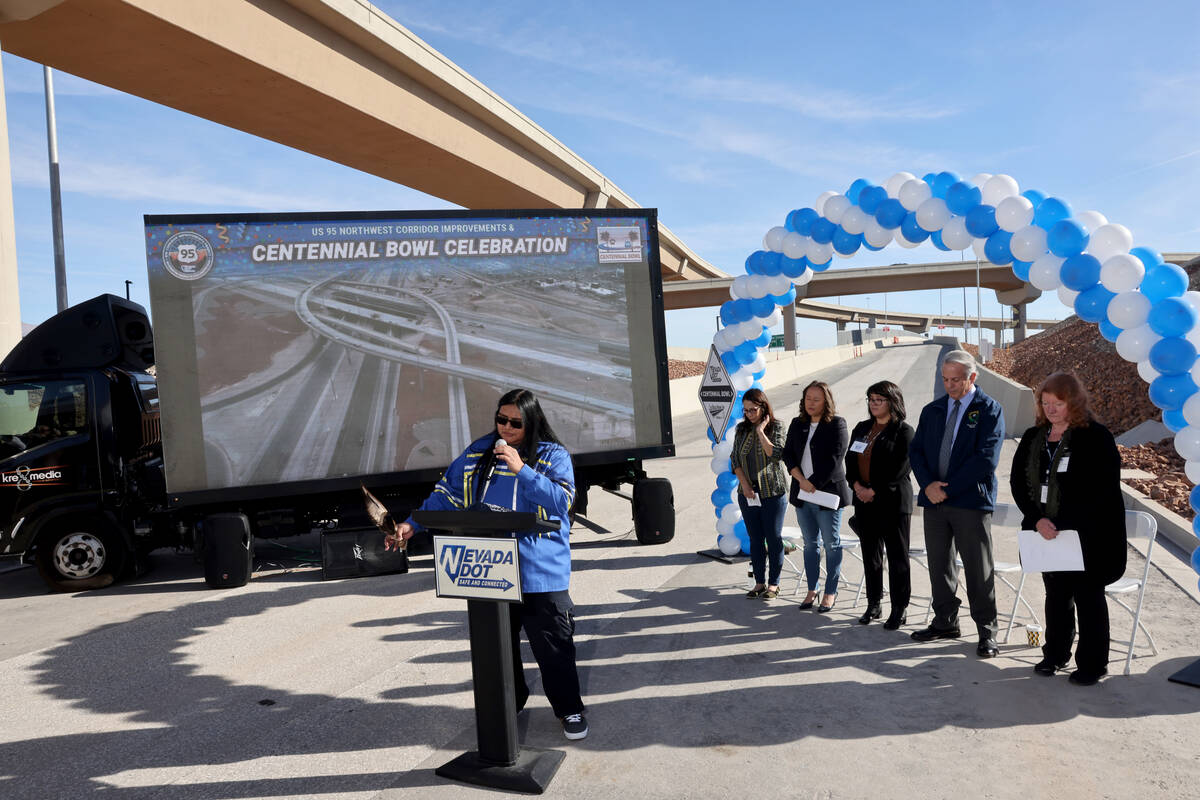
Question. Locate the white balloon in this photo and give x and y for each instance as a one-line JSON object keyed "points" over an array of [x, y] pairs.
{"points": [[913, 193], [1122, 272], [1187, 443], [1192, 299], [903, 241], [721, 341], [1029, 242], [1014, 213], [780, 284], [1067, 296], [932, 215], [804, 278], [1092, 220], [731, 514], [1109, 240], [757, 286], [819, 206], [1134, 343], [724, 529], [1191, 409], [1192, 470], [894, 184], [776, 316], [718, 464], [1147, 372], [758, 364], [955, 234], [774, 238], [1129, 310], [748, 330], [979, 179], [977, 247], [741, 381], [737, 288], [820, 253], [1196, 371], [793, 245], [855, 220], [1045, 273], [1193, 336], [997, 188], [723, 450], [729, 545], [835, 207], [876, 235]]}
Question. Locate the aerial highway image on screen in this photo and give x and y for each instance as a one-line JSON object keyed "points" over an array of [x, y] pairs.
{"points": [[341, 347]]}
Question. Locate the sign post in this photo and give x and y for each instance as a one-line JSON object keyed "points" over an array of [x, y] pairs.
{"points": [[716, 394]]}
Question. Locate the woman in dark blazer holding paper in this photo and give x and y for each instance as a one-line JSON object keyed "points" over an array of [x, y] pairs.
{"points": [[1066, 475], [815, 456], [877, 470]]}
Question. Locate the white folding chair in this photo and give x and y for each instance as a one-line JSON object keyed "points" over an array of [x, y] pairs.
{"points": [[793, 539], [1138, 525]]}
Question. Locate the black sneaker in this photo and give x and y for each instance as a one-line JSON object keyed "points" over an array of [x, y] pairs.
{"points": [[575, 726]]}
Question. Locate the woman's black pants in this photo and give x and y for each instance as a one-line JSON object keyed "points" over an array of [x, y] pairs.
{"points": [[884, 529], [1068, 593], [549, 622]]}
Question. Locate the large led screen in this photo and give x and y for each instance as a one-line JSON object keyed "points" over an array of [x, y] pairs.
{"points": [[294, 348]]}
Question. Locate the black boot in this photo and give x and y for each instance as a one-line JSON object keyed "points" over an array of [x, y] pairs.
{"points": [[898, 617], [873, 612]]}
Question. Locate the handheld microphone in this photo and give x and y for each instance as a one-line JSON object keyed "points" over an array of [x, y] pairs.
{"points": [[491, 470]]}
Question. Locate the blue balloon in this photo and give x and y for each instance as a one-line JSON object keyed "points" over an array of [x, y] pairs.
{"points": [[745, 353], [742, 309], [891, 213], [1108, 330], [1172, 391], [961, 197], [1148, 256], [846, 243], [731, 364], [758, 376], [727, 313], [762, 306], [1194, 498], [712, 437], [1080, 272], [936, 238], [727, 480], [981, 221], [1021, 269], [1163, 281], [789, 222], [1050, 212], [1171, 316], [771, 263], [719, 498], [804, 220], [1173, 355], [1092, 304], [929, 178], [856, 188], [822, 231], [997, 248], [785, 299], [1067, 238], [739, 530], [871, 197], [1195, 560], [911, 230], [868, 246], [943, 182], [1174, 420], [793, 267], [1034, 196]]}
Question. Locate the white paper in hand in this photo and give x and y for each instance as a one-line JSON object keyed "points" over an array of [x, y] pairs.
{"points": [[823, 499], [1060, 554]]}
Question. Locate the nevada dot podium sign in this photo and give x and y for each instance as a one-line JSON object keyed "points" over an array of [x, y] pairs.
{"points": [[477, 568]]}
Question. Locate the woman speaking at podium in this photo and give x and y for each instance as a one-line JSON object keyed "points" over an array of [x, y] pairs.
{"points": [[522, 466]]}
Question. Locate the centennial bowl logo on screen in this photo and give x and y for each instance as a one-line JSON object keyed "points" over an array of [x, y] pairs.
{"points": [[622, 243], [188, 256]]}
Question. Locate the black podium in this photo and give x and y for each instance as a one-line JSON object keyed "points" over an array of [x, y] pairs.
{"points": [[500, 762]]}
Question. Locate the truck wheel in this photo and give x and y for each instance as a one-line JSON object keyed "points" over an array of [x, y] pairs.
{"points": [[80, 554]]}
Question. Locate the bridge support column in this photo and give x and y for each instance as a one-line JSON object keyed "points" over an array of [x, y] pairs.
{"points": [[1021, 317], [841, 324], [10, 297], [789, 328]]}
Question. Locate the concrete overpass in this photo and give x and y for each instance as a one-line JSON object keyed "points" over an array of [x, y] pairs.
{"points": [[335, 78], [908, 320]]}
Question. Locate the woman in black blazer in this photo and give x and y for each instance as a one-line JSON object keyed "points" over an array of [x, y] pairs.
{"points": [[878, 471], [814, 454], [1066, 475]]}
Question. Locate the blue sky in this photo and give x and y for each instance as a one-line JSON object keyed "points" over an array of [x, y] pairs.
{"points": [[723, 116]]}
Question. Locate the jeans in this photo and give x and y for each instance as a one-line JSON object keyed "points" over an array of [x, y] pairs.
{"points": [[820, 526], [764, 527]]}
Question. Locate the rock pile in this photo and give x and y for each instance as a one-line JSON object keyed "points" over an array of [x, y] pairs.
{"points": [[684, 369]]}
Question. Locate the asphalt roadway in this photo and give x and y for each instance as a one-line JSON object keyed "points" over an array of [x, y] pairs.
{"points": [[292, 687]]}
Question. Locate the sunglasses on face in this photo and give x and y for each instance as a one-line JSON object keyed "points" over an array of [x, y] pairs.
{"points": [[515, 423]]}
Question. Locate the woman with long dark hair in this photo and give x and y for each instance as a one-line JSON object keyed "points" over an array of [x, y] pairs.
{"points": [[762, 489], [520, 465], [877, 470]]}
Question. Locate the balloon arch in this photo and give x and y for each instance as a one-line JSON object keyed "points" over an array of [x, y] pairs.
{"points": [[1139, 302]]}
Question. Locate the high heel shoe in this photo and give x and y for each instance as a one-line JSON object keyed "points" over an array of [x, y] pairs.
{"points": [[873, 612], [825, 608], [808, 601], [897, 618]]}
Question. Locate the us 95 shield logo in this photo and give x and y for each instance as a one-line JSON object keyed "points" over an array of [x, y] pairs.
{"points": [[188, 256]]}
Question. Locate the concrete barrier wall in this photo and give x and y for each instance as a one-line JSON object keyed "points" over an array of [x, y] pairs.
{"points": [[1015, 398]]}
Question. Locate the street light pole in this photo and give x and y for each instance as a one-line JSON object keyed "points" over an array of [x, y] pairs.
{"points": [[60, 258]]}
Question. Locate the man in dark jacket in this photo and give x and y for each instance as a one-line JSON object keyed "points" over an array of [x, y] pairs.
{"points": [[954, 455]]}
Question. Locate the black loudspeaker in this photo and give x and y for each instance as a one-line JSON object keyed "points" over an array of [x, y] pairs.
{"points": [[228, 550], [101, 332], [653, 511], [357, 552]]}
